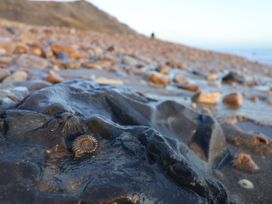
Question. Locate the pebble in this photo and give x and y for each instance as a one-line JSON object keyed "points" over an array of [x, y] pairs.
{"points": [[21, 48], [255, 99], [245, 162], [31, 61], [233, 77], [18, 76], [4, 73], [159, 79], [109, 81], [2, 51], [234, 99], [5, 60], [36, 49], [47, 52], [192, 88], [208, 98], [175, 64], [212, 77], [7, 45], [194, 105], [130, 61], [244, 183], [163, 70], [54, 77], [181, 80], [58, 49]]}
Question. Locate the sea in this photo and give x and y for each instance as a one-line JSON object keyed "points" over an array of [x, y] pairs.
{"points": [[263, 56]]}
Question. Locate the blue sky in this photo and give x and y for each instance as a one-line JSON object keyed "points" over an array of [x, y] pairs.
{"points": [[200, 23]]}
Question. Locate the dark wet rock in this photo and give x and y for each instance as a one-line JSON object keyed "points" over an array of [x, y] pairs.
{"points": [[233, 77], [143, 153], [10, 97]]}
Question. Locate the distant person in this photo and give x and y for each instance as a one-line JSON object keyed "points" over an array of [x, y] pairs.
{"points": [[153, 35]]}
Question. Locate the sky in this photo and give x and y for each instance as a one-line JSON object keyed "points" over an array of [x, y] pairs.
{"points": [[198, 23]]}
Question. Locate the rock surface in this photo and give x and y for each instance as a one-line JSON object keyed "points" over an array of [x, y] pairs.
{"points": [[137, 145]]}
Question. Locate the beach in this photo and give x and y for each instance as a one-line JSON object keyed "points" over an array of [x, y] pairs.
{"points": [[123, 118]]}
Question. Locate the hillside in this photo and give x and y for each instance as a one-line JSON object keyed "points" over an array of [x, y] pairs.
{"points": [[79, 14]]}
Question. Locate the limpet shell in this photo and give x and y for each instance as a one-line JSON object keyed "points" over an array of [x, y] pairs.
{"points": [[244, 183], [84, 145]]}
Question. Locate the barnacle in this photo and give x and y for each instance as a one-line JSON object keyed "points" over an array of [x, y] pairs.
{"points": [[84, 145]]}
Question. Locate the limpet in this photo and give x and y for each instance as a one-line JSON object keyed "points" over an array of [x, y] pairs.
{"points": [[84, 145]]}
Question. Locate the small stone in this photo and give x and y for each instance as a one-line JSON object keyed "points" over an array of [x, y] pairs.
{"points": [[234, 99], [130, 61], [11, 30], [212, 77], [47, 52], [163, 70], [34, 85], [92, 66], [244, 183], [7, 45], [175, 64], [18, 76], [233, 77], [6, 60], [2, 51], [4, 73], [194, 105], [261, 139], [72, 65], [208, 98], [254, 99], [63, 56], [31, 61], [58, 49], [36, 49], [21, 48], [192, 88], [181, 80], [110, 49], [159, 79], [109, 81], [97, 51], [245, 162], [54, 78]]}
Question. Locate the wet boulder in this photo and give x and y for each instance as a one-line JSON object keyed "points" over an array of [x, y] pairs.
{"points": [[143, 155]]}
